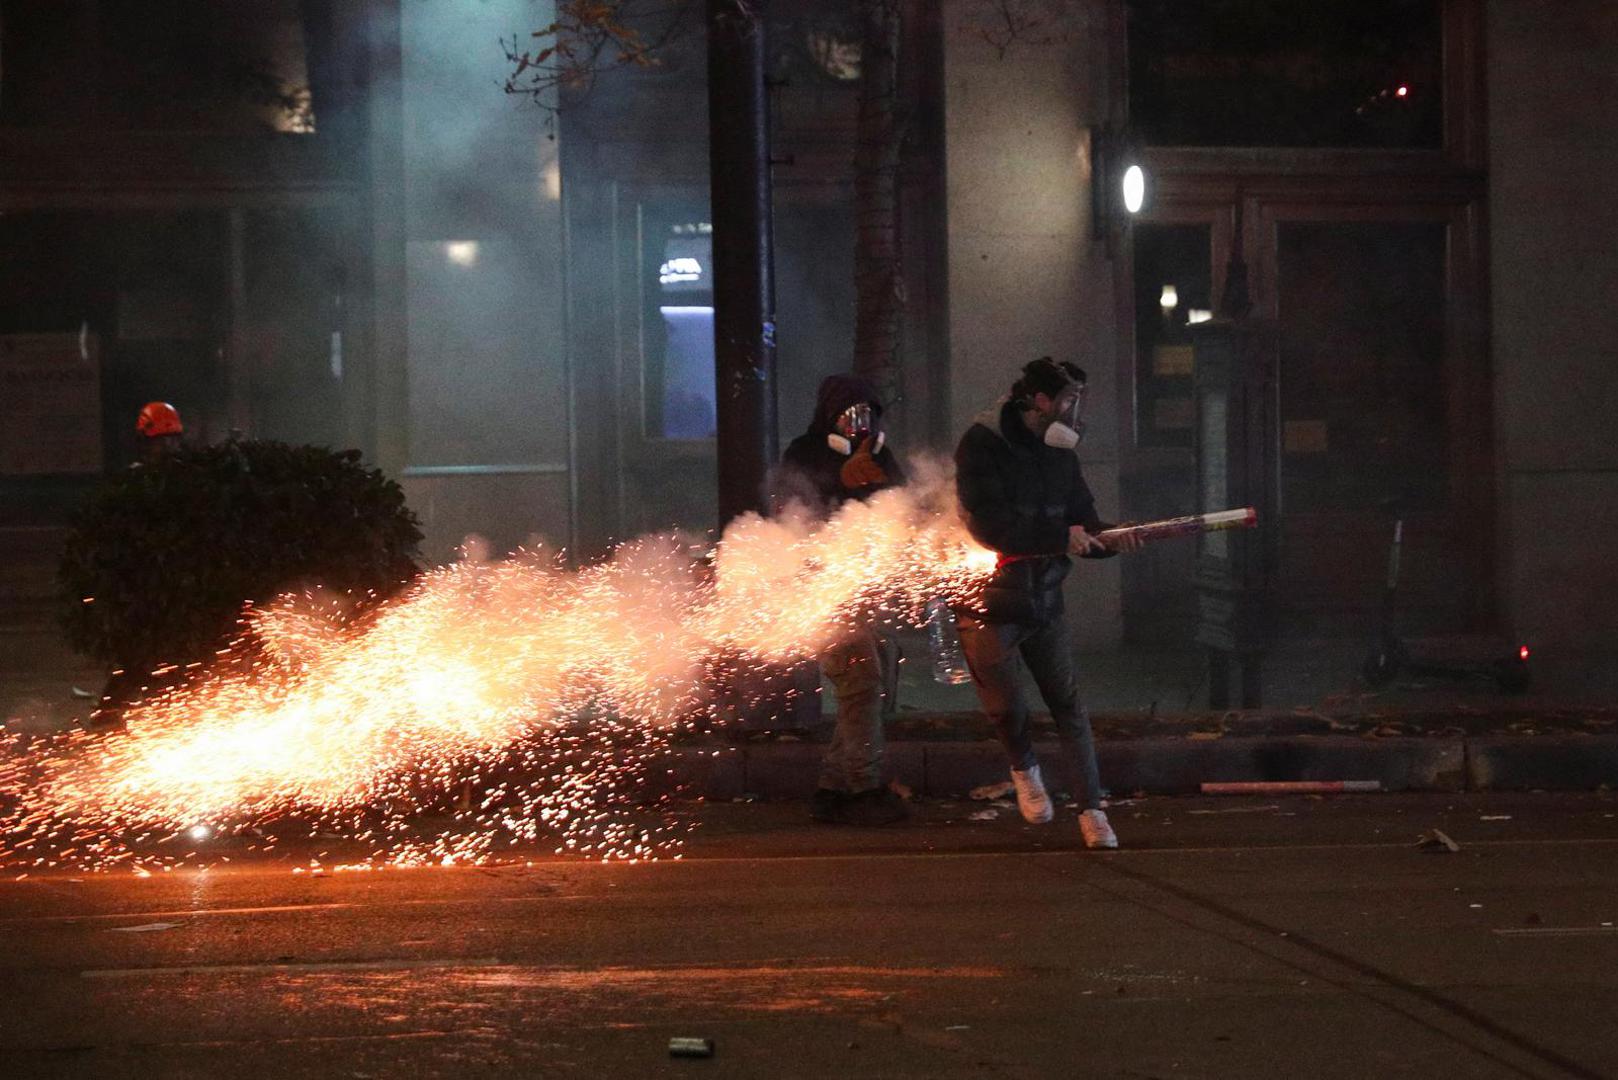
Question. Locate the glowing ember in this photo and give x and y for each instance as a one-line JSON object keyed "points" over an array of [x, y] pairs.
{"points": [[490, 706]]}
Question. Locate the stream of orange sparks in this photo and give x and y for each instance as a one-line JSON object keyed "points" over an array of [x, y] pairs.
{"points": [[549, 694]]}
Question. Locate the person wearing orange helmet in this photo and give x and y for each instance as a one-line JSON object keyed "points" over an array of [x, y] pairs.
{"points": [[160, 429]]}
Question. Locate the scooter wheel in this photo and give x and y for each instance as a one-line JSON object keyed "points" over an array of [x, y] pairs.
{"points": [[1512, 676]]}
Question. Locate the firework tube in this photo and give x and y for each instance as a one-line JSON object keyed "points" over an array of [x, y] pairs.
{"points": [[1288, 787], [1245, 518]]}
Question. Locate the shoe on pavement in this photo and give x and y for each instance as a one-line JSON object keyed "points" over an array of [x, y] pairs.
{"points": [[825, 804], [874, 806], [1096, 830], [1032, 799]]}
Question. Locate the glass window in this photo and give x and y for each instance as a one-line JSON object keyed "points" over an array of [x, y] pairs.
{"points": [[1173, 288], [680, 399], [234, 66], [1350, 73], [1362, 365], [235, 318]]}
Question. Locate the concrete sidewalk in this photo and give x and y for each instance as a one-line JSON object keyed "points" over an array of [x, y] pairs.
{"points": [[778, 769], [1154, 736]]}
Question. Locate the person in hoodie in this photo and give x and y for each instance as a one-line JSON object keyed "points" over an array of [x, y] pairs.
{"points": [[1022, 494], [844, 455]]}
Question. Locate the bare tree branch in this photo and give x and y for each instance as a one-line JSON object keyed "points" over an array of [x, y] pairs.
{"points": [[588, 38], [1004, 24]]}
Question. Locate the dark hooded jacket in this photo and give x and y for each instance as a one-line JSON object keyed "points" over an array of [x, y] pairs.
{"points": [[810, 468], [1018, 497]]}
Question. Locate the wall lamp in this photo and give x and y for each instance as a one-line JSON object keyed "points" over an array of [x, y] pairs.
{"points": [[1120, 186]]}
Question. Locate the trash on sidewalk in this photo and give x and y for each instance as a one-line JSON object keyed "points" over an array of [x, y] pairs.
{"points": [[1438, 842], [690, 1048], [989, 792], [984, 815]]}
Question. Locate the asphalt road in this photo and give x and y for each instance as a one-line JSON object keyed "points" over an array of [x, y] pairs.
{"points": [[1255, 938]]}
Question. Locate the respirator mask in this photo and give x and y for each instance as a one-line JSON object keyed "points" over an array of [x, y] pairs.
{"points": [[853, 426], [1067, 430]]}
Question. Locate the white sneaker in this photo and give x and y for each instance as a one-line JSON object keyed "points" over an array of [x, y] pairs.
{"points": [[1097, 833], [1032, 800]]}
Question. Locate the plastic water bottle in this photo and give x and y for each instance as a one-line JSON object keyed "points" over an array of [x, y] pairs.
{"points": [[949, 663]]}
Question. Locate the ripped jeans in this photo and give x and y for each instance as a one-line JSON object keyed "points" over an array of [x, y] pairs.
{"points": [[996, 653]]}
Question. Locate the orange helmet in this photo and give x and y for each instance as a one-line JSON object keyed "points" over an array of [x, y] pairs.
{"points": [[158, 418]]}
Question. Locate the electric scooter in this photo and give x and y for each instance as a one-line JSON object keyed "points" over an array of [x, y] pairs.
{"points": [[1390, 656]]}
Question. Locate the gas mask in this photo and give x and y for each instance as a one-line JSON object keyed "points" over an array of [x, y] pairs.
{"points": [[853, 426], [1067, 430]]}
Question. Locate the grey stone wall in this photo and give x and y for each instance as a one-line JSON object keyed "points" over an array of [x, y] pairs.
{"points": [[1025, 278], [1553, 163]]}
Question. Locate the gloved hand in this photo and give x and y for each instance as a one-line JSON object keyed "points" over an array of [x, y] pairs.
{"points": [[861, 469]]}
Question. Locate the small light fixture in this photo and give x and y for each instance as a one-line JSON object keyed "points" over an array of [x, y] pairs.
{"points": [[1196, 315], [678, 270], [461, 252], [1403, 91], [1134, 187], [1169, 300]]}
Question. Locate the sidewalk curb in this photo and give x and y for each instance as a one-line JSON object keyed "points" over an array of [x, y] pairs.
{"points": [[1547, 762], [1166, 766]]}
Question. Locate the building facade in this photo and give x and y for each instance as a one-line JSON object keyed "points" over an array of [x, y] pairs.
{"points": [[325, 222]]}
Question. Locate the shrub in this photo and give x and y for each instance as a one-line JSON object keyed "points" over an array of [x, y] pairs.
{"points": [[170, 551]]}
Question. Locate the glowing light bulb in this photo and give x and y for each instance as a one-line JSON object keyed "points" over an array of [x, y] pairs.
{"points": [[1134, 189], [1403, 91], [462, 252], [1170, 298]]}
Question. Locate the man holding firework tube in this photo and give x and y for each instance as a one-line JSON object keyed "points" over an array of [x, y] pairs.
{"points": [[1023, 495]]}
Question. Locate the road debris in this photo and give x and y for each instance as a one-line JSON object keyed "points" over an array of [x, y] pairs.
{"points": [[989, 792], [681, 1046], [1438, 842], [984, 815]]}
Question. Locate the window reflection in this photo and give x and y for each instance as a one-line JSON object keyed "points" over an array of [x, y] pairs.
{"points": [[680, 358], [1173, 289], [221, 66], [1353, 73]]}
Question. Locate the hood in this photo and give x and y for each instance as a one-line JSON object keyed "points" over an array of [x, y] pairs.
{"points": [[1004, 420], [838, 392]]}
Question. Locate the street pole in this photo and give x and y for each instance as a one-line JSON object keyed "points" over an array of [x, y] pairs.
{"points": [[743, 256]]}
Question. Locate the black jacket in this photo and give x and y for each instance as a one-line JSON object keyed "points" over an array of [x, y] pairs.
{"points": [[1018, 497], [810, 468]]}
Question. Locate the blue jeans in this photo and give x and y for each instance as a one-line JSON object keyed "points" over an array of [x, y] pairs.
{"points": [[996, 653]]}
